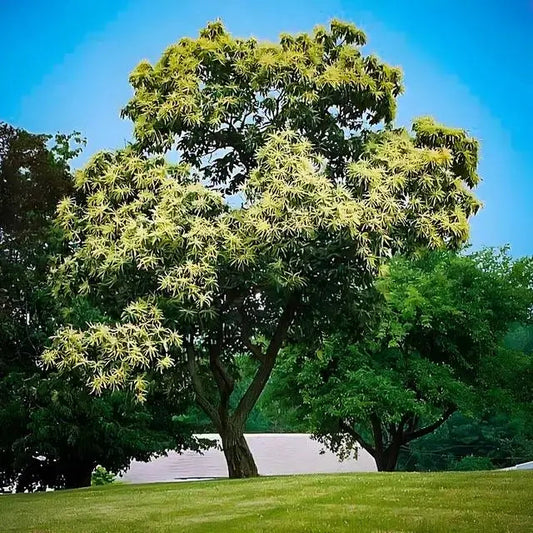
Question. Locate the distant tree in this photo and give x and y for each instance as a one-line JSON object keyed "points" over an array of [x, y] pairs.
{"points": [[435, 348], [34, 176], [500, 430], [53, 433], [520, 338], [186, 272], [501, 439]]}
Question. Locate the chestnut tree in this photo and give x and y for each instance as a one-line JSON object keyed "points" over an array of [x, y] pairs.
{"points": [[292, 187]]}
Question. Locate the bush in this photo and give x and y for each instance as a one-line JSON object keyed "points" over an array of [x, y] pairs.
{"points": [[101, 476], [471, 462]]}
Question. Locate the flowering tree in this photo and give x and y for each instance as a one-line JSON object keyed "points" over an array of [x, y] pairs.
{"points": [[283, 205]]}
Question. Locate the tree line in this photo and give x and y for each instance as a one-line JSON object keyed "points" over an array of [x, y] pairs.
{"points": [[301, 233]]}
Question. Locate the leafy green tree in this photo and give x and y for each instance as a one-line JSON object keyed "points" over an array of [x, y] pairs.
{"points": [[435, 348], [501, 432], [282, 208], [53, 431], [499, 439], [64, 432], [33, 177]]}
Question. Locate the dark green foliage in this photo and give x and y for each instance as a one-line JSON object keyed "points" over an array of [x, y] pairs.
{"points": [[502, 440], [520, 338], [472, 463], [64, 432], [434, 348], [34, 177], [53, 432]]}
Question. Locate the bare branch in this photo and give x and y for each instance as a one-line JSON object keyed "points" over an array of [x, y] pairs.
{"points": [[428, 429]]}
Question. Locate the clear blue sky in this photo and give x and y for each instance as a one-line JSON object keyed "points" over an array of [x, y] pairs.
{"points": [[469, 63]]}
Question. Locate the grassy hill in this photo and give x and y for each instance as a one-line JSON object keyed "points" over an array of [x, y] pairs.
{"points": [[438, 502]]}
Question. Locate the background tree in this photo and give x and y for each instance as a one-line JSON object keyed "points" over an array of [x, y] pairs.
{"points": [[56, 433], [53, 432], [501, 432], [185, 272], [495, 440], [435, 348]]}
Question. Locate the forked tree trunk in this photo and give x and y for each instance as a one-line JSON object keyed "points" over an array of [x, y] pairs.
{"points": [[230, 425], [387, 456], [239, 459]]}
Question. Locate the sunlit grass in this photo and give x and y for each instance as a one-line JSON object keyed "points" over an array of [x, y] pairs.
{"points": [[438, 502]]}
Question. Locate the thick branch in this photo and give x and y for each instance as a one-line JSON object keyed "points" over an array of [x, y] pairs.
{"points": [[401, 425], [413, 421], [223, 380], [354, 434], [254, 349], [260, 379], [428, 429], [198, 387]]}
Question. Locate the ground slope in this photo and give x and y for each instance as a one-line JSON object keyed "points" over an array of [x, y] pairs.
{"points": [[438, 502]]}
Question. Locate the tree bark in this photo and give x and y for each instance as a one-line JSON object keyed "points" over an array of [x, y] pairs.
{"points": [[230, 426], [408, 437], [239, 458], [386, 460]]}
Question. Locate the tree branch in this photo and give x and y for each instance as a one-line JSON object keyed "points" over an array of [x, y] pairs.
{"points": [[246, 335], [198, 387], [223, 380], [401, 425], [354, 434], [428, 429], [378, 433], [260, 379]]}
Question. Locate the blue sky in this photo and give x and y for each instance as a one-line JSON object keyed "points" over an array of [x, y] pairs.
{"points": [[469, 63]]}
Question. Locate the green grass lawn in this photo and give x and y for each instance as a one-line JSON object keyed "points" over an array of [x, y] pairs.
{"points": [[443, 502]]}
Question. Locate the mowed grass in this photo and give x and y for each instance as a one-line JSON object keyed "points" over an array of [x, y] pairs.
{"points": [[437, 502]]}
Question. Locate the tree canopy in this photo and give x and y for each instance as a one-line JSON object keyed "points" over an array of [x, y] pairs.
{"points": [[292, 189], [436, 347]]}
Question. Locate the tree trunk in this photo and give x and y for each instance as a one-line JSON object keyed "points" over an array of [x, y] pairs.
{"points": [[239, 459], [386, 461], [230, 427], [78, 475]]}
